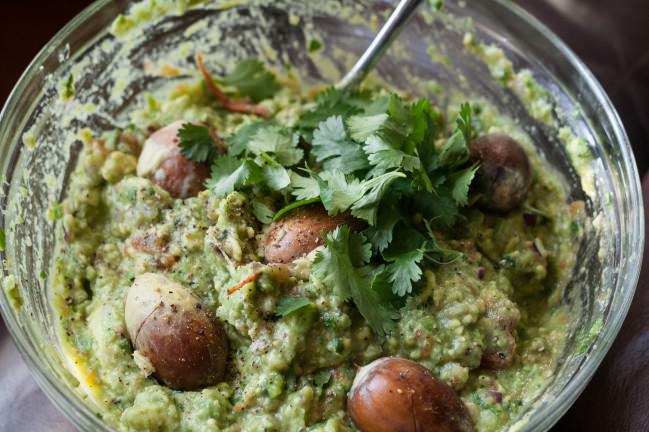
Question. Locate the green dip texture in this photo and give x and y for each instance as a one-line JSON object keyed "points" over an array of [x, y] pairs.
{"points": [[295, 343]]}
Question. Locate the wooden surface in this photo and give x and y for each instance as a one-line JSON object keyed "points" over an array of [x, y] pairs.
{"points": [[611, 36]]}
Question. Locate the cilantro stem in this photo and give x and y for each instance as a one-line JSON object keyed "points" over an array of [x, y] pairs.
{"points": [[294, 205], [225, 100]]}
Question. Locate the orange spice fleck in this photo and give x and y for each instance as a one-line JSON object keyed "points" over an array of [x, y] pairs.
{"points": [[243, 283]]}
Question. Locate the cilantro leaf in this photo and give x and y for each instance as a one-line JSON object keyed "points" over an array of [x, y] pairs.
{"points": [[392, 139], [405, 255], [332, 266], [196, 143], [426, 148], [363, 126], [339, 193], [304, 187], [288, 305], [360, 251], [367, 206], [461, 184], [404, 270], [229, 174], [335, 268], [262, 212], [379, 313], [455, 151], [392, 126], [439, 206], [380, 235], [280, 141], [332, 146], [329, 103], [406, 239], [401, 125], [382, 285], [238, 141], [251, 78], [275, 176], [328, 138], [368, 103], [464, 122], [384, 157], [423, 114]]}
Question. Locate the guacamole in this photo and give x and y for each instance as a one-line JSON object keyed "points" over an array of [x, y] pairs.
{"points": [[409, 257]]}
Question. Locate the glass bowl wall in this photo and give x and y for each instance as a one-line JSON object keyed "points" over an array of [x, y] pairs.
{"points": [[603, 282]]}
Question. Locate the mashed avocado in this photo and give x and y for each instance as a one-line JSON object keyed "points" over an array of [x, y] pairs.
{"points": [[293, 372], [476, 303]]}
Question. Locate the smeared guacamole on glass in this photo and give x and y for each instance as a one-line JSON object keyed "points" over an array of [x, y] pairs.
{"points": [[234, 257]]}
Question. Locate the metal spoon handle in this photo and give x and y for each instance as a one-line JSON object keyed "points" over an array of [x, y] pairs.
{"points": [[380, 43]]}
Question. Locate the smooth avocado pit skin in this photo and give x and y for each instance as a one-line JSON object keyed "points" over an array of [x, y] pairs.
{"points": [[393, 394], [183, 342], [301, 231], [504, 177]]}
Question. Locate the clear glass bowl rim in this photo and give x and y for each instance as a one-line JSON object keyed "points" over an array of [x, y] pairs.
{"points": [[541, 419]]}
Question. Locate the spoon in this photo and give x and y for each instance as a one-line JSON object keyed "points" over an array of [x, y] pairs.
{"points": [[380, 43]]}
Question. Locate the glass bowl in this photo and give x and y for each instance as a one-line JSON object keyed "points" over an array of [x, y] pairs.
{"points": [[39, 133]]}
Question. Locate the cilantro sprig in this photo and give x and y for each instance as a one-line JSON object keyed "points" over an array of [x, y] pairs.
{"points": [[259, 155], [409, 170], [335, 150], [388, 162], [349, 253], [331, 102]]}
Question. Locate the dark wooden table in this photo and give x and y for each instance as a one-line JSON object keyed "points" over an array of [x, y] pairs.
{"points": [[611, 36]]}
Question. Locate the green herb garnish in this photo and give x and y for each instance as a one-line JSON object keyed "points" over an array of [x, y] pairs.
{"points": [[229, 173], [69, 87], [335, 149], [288, 305], [251, 79], [263, 212], [196, 143], [330, 102], [343, 266], [387, 162]]}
